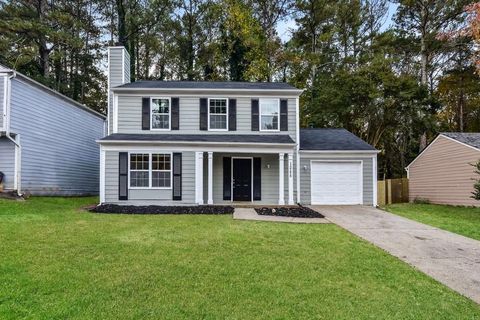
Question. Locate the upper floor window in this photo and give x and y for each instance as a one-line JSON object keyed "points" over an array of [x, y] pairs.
{"points": [[269, 114], [160, 113], [150, 170], [217, 114]]}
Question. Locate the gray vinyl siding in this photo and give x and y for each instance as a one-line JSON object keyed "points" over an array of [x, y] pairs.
{"points": [[130, 116], [305, 194], [2, 95], [119, 73], [59, 152], [7, 162], [150, 196]]}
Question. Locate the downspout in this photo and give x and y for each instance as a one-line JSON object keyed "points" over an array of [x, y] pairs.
{"points": [[16, 141]]}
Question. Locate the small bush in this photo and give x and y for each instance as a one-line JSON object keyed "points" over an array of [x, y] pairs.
{"points": [[419, 200]]}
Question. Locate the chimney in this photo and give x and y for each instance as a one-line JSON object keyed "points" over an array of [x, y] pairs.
{"points": [[118, 74]]}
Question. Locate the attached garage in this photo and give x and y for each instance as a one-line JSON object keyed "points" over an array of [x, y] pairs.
{"points": [[336, 168]]}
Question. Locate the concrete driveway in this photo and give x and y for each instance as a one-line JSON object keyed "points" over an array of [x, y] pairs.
{"points": [[449, 258]]}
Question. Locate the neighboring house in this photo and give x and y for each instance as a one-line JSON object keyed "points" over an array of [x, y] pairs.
{"points": [[443, 172], [174, 142], [47, 141]]}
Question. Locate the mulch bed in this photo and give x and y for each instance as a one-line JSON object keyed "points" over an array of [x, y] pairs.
{"points": [[113, 208], [296, 212]]}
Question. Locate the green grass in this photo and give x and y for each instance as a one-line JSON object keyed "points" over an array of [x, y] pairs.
{"points": [[461, 220], [59, 262]]}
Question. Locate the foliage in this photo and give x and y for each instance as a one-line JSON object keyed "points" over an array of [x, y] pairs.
{"points": [[61, 262], [476, 185]]}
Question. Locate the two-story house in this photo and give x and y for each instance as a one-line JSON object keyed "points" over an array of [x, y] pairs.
{"points": [[182, 142]]}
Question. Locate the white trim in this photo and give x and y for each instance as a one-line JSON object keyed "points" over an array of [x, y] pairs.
{"points": [[434, 140], [210, 178], [115, 113], [169, 114], [296, 92], [226, 115], [123, 66], [251, 176], [260, 115], [374, 175], [4, 111], [109, 93], [196, 94], [290, 178], [297, 149], [281, 185], [369, 152], [150, 170], [333, 161], [225, 149], [340, 155], [102, 175], [199, 177]]}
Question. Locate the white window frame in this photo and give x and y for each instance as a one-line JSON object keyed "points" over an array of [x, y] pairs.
{"points": [[260, 114], [169, 114], [150, 176], [226, 115]]}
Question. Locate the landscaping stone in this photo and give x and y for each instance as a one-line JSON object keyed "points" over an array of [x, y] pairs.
{"points": [[297, 212], [113, 208]]}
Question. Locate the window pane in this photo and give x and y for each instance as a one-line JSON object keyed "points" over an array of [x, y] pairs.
{"points": [[160, 121], [160, 179], [138, 161], [218, 122], [269, 122], [160, 106], [269, 107], [139, 178], [160, 162], [218, 106]]}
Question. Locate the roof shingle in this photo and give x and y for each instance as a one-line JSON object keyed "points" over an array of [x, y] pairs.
{"points": [[144, 84], [332, 139], [470, 138]]}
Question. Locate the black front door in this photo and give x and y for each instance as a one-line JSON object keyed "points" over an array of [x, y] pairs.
{"points": [[242, 180]]}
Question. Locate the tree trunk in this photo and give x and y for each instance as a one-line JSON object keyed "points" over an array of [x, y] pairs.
{"points": [[122, 28]]}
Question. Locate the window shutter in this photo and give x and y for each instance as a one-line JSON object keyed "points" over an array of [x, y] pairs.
{"points": [[203, 114], [232, 114], [177, 177], [257, 178], [227, 178], [284, 115], [123, 176], [145, 113], [255, 115], [175, 114]]}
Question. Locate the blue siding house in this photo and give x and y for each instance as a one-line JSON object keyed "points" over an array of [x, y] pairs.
{"points": [[47, 141]]}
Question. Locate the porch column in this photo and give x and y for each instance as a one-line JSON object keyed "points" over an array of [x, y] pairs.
{"points": [[290, 178], [199, 177], [281, 171], [210, 177]]}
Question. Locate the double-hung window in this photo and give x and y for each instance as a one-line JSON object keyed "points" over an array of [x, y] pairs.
{"points": [[269, 114], [160, 113], [218, 114], [150, 170]]}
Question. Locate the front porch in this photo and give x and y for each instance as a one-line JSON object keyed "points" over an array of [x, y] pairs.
{"points": [[245, 178]]}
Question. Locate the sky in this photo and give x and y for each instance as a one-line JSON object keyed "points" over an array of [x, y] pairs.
{"points": [[285, 28]]}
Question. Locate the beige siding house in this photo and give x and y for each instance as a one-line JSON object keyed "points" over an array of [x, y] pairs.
{"points": [[443, 172]]}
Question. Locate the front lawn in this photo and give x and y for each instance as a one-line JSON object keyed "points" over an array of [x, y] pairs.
{"points": [[461, 220], [59, 262]]}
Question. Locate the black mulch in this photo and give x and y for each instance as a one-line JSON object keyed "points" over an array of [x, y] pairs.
{"points": [[297, 212], [113, 208]]}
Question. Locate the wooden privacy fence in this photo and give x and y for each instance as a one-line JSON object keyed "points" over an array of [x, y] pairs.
{"points": [[392, 191]]}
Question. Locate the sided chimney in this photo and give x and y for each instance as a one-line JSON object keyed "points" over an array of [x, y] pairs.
{"points": [[118, 74]]}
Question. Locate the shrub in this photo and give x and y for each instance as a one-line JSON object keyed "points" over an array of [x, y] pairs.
{"points": [[418, 200]]}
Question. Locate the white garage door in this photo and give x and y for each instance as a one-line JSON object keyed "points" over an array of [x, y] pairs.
{"points": [[336, 182]]}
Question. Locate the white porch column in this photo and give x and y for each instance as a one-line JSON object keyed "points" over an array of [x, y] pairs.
{"points": [[199, 177], [281, 187], [290, 178], [210, 177]]}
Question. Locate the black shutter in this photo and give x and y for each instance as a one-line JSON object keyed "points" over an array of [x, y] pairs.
{"points": [[123, 176], [284, 115], [177, 177], [227, 178], [232, 114], [145, 113], [257, 178], [175, 114], [254, 114], [203, 114]]}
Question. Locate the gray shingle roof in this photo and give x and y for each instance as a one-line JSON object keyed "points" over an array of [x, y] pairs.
{"points": [[332, 139], [227, 138], [143, 84], [470, 138]]}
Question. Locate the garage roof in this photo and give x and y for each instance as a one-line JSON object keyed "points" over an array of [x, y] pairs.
{"points": [[332, 139]]}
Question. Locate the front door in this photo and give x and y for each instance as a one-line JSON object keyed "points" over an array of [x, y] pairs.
{"points": [[242, 179]]}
